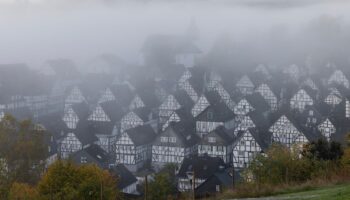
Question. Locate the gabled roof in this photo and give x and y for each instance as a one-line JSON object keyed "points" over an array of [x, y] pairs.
{"points": [[96, 155], [101, 128], [84, 133], [204, 166], [185, 131], [81, 110], [123, 94], [53, 124], [141, 135], [184, 100], [143, 113], [258, 102], [113, 110], [123, 175], [222, 135]]}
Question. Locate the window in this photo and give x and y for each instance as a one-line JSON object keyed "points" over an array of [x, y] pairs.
{"points": [[311, 112], [241, 153], [220, 148], [217, 188], [242, 143], [163, 139], [172, 139], [210, 115], [252, 143], [83, 159], [211, 139]]}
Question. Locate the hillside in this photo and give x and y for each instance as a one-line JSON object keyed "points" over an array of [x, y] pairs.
{"points": [[337, 192]]}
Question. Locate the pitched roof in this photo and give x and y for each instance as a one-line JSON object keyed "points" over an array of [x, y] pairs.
{"points": [[204, 166], [124, 176], [258, 102], [141, 135]]}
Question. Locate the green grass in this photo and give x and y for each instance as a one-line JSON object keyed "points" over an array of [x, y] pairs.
{"points": [[337, 192]]}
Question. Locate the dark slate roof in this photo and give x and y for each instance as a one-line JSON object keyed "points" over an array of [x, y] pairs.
{"points": [[184, 114], [143, 113], [123, 94], [146, 91], [259, 119], [184, 100], [54, 124], [258, 102], [220, 113], [185, 131], [262, 137], [204, 166], [81, 109], [222, 178], [123, 175], [221, 134], [84, 133], [141, 135], [95, 155], [101, 128], [114, 110]]}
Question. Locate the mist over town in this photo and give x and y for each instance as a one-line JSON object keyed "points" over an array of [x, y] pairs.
{"points": [[149, 99]]}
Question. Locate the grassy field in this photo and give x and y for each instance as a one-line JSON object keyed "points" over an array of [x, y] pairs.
{"points": [[338, 192]]}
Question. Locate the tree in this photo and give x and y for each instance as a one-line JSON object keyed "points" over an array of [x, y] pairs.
{"points": [[163, 186], [323, 150], [64, 180], [279, 165], [22, 152], [22, 191]]}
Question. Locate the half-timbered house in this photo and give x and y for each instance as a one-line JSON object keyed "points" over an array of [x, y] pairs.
{"points": [[214, 115], [333, 97], [92, 154], [106, 96], [74, 113], [173, 144], [245, 85], [286, 130], [265, 91], [247, 144], [75, 96], [300, 100], [74, 140], [133, 147], [327, 129], [217, 143], [135, 118], [201, 167], [339, 78]]}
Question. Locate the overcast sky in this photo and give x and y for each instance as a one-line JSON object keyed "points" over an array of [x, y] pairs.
{"points": [[36, 30]]}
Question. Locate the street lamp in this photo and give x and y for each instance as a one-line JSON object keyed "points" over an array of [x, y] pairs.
{"points": [[191, 176]]}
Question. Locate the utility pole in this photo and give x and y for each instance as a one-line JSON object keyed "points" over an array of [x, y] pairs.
{"points": [[233, 177], [146, 187], [101, 188], [194, 185]]}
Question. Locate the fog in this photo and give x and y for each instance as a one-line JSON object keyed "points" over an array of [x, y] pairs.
{"points": [[38, 30]]}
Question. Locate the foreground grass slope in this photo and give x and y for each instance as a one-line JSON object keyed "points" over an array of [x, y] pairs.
{"points": [[338, 192]]}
